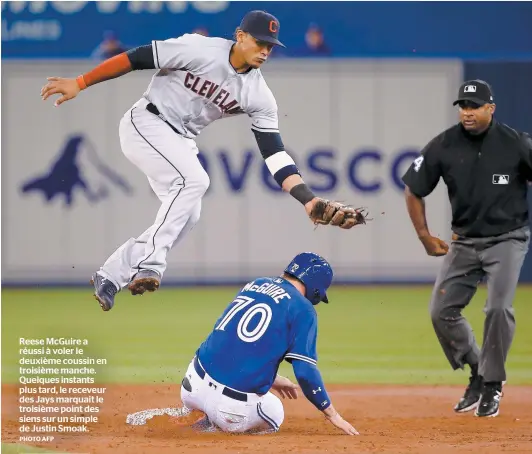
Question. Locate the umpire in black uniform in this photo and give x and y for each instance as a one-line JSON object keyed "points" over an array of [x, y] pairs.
{"points": [[485, 166]]}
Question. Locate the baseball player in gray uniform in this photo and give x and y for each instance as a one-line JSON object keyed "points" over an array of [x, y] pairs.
{"points": [[198, 80]]}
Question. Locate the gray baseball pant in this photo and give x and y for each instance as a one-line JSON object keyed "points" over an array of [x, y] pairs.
{"points": [[469, 260]]}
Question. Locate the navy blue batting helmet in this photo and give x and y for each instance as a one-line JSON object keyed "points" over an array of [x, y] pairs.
{"points": [[314, 272]]}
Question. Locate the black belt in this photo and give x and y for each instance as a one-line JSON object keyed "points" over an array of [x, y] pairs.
{"points": [[152, 108], [237, 395]]}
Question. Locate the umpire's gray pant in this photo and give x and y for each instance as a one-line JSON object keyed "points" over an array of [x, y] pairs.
{"points": [[468, 261]]}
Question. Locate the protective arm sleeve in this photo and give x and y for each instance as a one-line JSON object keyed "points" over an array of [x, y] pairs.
{"points": [[138, 58], [172, 53], [309, 378]]}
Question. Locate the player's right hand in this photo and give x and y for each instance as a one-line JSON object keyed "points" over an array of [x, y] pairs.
{"points": [[285, 387], [342, 424], [434, 246], [68, 88]]}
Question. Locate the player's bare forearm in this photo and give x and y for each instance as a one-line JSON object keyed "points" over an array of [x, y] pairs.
{"points": [[291, 181], [330, 411], [416, 211]]}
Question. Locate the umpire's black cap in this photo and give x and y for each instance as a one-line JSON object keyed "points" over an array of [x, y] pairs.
{"points": [[262, 26], [476, 91]]}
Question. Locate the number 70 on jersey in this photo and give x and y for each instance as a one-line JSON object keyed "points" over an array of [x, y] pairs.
{"points": [[242, 330]]}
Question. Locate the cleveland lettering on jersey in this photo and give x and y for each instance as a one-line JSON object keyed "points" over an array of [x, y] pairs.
{"points": [[208, 89]]}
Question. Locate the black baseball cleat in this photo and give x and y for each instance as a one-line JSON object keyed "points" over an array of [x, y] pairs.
{"points": [[491, 398], [104, 291], [144, 281], [471, 397]]}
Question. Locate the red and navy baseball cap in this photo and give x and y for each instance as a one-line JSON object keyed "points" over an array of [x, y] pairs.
{"points": [[262, 26], [475, 91]]}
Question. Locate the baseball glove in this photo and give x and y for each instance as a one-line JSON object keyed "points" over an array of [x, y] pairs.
{"points": [[328, 212]]}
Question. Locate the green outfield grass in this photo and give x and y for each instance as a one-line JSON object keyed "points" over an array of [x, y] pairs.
{"points": [[366, 335]]}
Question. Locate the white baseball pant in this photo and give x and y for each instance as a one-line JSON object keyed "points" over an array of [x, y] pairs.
{"points": [[177, 177], [230, 410]]}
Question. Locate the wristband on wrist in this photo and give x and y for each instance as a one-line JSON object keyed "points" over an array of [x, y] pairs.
{"points": [[81, 82], [302, 193]]}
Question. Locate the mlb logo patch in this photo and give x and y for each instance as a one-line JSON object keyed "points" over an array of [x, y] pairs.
{"points": [[501, 179], [470, 89]]}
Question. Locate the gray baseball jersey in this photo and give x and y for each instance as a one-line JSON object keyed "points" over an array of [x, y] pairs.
{"points": [[196, 85]]}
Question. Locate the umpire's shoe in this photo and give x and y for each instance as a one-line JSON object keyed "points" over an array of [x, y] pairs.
{"points": [[104, 291], [472, 395], [491, 398], [144, 281]]}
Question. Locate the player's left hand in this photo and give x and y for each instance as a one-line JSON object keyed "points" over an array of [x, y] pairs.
{"points": [[327, 212], [285, 387]]}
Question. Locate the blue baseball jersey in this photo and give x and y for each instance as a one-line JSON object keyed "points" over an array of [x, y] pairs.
{"points": [[268, 321]]}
